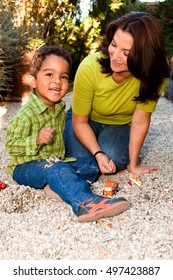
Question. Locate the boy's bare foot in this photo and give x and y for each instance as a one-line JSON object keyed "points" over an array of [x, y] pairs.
{"points": [[51, 194]]}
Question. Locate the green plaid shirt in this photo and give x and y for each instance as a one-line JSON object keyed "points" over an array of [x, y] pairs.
{"points": [[23, 129]]}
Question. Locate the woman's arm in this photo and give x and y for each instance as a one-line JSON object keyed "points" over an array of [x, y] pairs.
{"points": [[87, 137], [139, 128]]}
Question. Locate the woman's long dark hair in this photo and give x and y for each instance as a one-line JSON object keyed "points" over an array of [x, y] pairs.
{"points": [[147, 59]]}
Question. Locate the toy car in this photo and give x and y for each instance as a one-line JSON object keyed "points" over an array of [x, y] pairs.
{"points": [[110, 188]]}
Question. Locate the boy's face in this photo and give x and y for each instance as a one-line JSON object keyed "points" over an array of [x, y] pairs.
{"points": [[52, 80]]}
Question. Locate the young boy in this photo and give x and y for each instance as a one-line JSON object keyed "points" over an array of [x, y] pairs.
{"points": [[35, 142]]}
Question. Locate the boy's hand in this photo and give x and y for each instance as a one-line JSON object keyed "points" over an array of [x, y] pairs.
{"points": [[45, 136]]}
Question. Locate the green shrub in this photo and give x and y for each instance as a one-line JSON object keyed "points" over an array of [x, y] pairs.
{"points": [[11, 50], [168, 92]]}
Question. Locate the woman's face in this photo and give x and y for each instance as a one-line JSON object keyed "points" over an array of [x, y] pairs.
{"points": [[119, 50]]}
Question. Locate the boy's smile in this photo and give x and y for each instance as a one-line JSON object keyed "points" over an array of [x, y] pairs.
{"points": [[51, 82]]}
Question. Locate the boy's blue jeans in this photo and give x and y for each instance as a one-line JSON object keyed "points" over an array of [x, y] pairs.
{"points": [[68, 180], [113, 140]]}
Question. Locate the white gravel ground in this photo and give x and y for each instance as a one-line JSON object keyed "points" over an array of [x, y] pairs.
{"points": [[36, 227]]}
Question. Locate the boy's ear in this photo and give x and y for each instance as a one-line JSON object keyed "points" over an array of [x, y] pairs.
{"points": [[32, 82]]}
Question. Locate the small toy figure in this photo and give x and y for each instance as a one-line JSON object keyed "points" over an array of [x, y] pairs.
{"points": [[135, 180], [2, 185], [110, 188]]}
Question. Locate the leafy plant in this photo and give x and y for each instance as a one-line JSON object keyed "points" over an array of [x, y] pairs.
{"points": [[164, 12], [11, 48], [60, 22]]}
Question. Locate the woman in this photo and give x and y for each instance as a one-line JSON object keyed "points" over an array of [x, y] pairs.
{"points": [[115, 92]]}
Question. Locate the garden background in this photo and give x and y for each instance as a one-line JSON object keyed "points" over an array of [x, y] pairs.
{"points": [[76, 25]]}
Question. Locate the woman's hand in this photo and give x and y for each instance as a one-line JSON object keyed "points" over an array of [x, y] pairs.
{"points": [[82, 129], [139, 170], [105, 164], [139, 128]]}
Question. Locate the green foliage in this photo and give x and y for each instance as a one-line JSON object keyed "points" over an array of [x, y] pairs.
{"points": [[11, 43], [168, 92], [164, 12], [78, 38], [59, 22]]}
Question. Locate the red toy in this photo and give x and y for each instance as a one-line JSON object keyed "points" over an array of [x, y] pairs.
{"points": [[2, 185]]}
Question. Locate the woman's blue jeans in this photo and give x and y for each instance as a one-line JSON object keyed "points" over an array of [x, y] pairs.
{"points": [[113, 140], [68, 180]]}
